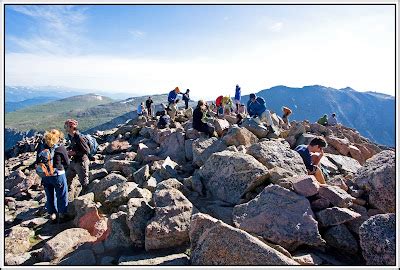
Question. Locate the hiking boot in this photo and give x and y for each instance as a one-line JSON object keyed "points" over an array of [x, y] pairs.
{"points": [[65, 217]]}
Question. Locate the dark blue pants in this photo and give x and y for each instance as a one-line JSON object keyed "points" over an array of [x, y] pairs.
{"points": [[57, 185]]}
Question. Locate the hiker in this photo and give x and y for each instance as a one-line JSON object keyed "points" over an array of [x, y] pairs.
{"points": [[140, 109], [199, 116], [311, 155], [332, 121], [323, 120], [285, 117], [173, 96], [149, 102], [238, 96], [172, 109], [257, 109], [227, 105], [51, 162], [164, 120], [186, 98], [78, 151]]}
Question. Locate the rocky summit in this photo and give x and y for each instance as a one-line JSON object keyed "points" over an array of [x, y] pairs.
{"points": [[173, 196]]}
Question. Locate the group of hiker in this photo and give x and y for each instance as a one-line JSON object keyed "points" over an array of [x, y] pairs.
{"points": [[325, 121], [58, 165]]}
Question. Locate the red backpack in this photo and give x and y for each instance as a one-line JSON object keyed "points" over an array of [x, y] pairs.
{"points": [[218, 102]]}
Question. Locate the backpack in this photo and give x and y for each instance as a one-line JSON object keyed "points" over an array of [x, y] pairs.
{"points": [[45, 162], [93, 145], [218, 101]]}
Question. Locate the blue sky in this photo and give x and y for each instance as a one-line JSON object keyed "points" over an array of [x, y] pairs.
{"points": [[208, 48]]}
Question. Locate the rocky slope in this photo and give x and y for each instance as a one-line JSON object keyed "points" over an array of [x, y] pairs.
{"points": [[175, 197]]}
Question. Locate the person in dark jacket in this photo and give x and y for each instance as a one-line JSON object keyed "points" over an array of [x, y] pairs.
{"points": [[164, 121], [57, 182], [258, 110], [186, 98], [198, 116], [311, 155], [78, 151], [149, 102]]}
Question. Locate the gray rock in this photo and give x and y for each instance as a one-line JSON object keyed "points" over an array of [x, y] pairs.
{"points": [[354, 225], [189, 149], [147, 259], [107, 260], [256, 129], [170, 225], [167, 170], [33, 223], [305, 185], [239, 136], [378, 178], [123, 166], [97, 174], [150, 184], [335, 216], [16, 259], [17, 242], [117, 146], [142, 175], [280, 216], [64, 243], [345, 164], [204, 148], [174, 147], [99, 187], [336, 196], [212, 244], [119, 233], [139, 213], [82, 257], [119, 194], [276, 154], [378, 240], [229, 175], [307, 258], [341, 238], [173, 183]]}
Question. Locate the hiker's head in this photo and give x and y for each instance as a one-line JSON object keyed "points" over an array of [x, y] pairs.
{"points": [[201, 104], [149, 97], [52, 137], [317, 144], [333, 114], [253, 97], [187, 90], [70, 126], [325, 116], [177, 90]]}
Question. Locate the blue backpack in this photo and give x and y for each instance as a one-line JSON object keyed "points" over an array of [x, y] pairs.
{"points": [[93, 145]]}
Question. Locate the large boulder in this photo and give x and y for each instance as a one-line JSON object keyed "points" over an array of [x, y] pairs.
{"points": [[335, 216], [341, 238], [119, 232], [216, 243], [123, 166], [344, 164], [276, 154], [117, 146], [119, 194], [170, 225], [335, 195], [139, 213], [229, 175], [147, 259], [239, 136], [65, 242], [378, 178], [221, 125], [142, 175], [258, 130], [341, 145], [280, 216], [378, 240], [174, 147], [17, 242], [306, 185], [18, 182], [203, 148], [99, 186]]}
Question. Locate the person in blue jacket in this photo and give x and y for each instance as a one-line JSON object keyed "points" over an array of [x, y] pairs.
{"points": [[238, 96], [173, 96], [258, 110]]}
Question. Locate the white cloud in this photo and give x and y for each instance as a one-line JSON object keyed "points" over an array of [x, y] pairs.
{"points": [[58, 28], [137, 33], [276, 27]]}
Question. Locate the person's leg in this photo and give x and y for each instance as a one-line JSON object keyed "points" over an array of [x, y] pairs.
{"points": [[319, 176], [257, 120], [49, 190], [186, 104], [71, 173], [61, 194], [83, 171], [266, 117], [210, 130]]}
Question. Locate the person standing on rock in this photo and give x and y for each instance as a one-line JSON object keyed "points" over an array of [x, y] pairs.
{"points": [[198, 119], [173, 96], [238, 96], [51, 161], [258, 110], [149, 102], [186, 98], [78, 151], [312, 155], [285, 117]]}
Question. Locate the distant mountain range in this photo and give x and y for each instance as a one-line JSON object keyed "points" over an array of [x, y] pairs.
{"points": [[372, 114]]}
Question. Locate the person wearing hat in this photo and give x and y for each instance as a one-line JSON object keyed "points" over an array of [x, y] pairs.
{"points": [[285, 117], [257, 109], [78, 151]]}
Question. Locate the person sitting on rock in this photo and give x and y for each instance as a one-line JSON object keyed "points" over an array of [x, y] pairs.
{"points": [[78, 151], [199, 115], [332, 121], [164, 121], [140, 109], [323, 120], [285, 117], [227, 105], [51, 162], [257, 109], [311, 155]]}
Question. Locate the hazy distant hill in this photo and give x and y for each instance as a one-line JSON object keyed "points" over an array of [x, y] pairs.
{"points": [[13, 106], [21, 93], [372, 114]]}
